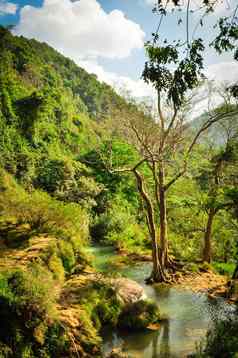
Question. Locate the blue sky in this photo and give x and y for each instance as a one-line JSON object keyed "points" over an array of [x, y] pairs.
{"points": [[136, 10], [106, 37]]}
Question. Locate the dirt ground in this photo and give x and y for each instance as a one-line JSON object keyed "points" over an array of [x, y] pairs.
{"points": [[209, 282]]}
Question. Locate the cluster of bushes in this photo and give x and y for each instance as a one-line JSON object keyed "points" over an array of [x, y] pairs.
{"points": [[43, 213], [224, 268], [118, 226], [105, 308], [32, 321], [29, 323], [221, 341]]}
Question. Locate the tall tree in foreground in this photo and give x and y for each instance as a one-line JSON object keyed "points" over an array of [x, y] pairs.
{"points": [[162, 157], [175, 70]]}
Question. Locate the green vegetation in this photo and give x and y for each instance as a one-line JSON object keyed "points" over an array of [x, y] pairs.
{"points": [[80, 164], [221, 341], [139, 315], [225, 268], [28, 315], [54, 191]]}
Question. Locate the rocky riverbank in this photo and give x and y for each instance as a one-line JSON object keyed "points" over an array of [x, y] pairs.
{"points": [[211, 283], [215, 285], [81, 303]]}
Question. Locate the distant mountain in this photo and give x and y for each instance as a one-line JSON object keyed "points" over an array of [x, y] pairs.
{"points": [[217, 133]]}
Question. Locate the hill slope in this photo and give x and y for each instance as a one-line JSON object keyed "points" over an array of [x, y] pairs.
{"points": [[47, 107]]}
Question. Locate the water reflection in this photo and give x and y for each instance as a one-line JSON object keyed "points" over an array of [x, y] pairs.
{"points": [[189, 315]]}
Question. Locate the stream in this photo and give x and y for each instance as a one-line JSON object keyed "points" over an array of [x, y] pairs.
{"points": [[189, 315]]}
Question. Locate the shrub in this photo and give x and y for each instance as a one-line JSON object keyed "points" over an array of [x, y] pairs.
{"points": [[56, 267], [67, 255], [205, 266], [221, 341], [139, 315], [224, 268], [108, 309], [118, 226], [27, 310], [42, 213], [69, 181], [192, 267]]}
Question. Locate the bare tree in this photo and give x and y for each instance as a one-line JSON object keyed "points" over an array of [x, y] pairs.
{"points": [[162, 141]]}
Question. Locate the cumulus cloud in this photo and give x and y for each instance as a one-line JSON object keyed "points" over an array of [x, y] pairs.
{"points": [[7, 8], [122, 84], [81, 29], [220, 76], [225, 73]]}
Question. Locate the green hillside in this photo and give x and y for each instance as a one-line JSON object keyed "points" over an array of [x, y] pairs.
{"points": [[49, 112], [47, 106], [61, 130]]}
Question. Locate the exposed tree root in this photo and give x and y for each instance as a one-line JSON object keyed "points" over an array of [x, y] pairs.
{"points": [[173, 265]]}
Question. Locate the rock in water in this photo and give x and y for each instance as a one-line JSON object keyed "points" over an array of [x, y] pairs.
{"points": [[127, 291]]}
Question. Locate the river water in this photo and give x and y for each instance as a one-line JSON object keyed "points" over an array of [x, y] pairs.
{"points": [[188, 314]]}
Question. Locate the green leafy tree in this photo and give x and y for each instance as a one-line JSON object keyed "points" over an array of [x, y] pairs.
{"points": [[174, 69]]}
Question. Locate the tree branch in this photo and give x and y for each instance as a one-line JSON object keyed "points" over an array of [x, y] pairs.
{"points": [[208, 124], [205, 126]]}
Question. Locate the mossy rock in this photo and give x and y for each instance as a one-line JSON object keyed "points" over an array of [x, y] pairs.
{"points": [[108, 310], [117, 353], [139, 315], [192, 267], [205, 267]]}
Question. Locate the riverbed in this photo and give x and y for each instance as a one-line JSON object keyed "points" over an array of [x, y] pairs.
{"points": [[188, 315]]}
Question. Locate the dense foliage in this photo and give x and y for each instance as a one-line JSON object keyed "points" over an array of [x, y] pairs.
{"points": [[58, 146]]}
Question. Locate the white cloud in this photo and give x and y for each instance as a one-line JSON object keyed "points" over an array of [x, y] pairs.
{"points": [[136, 88], [81, 29], [219, 76], [224, 72], [7, 8]]}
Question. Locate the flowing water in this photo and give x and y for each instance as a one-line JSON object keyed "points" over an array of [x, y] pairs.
{"points": [[189, 315]]}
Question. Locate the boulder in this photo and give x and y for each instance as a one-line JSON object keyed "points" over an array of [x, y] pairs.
{"points": [[139, 316], [127, 291]]}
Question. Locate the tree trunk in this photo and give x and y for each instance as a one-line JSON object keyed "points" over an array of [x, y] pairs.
{"points": [[157, 274], [163, 219], [207, 250], [235, 274]]}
